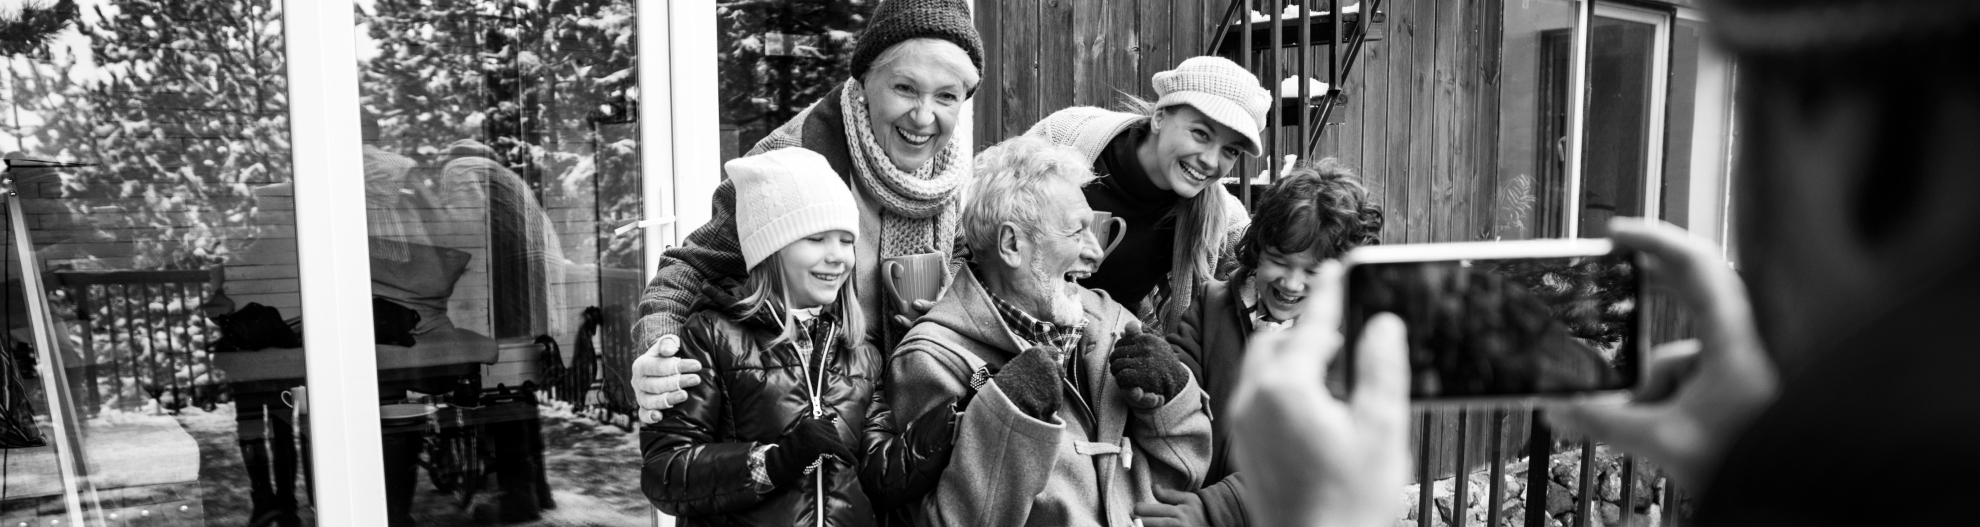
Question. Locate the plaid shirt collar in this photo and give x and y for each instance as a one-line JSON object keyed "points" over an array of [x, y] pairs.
{"points": [[1035, 331]]}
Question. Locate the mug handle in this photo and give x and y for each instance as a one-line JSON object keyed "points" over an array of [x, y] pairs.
{"points": [[288, 398], [890, 271], [1120, 233]]}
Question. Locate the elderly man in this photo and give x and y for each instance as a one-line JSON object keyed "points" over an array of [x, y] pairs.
{"points": [[1071, 415]]}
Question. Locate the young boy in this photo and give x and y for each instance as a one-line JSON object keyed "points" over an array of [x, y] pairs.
{"points": [[1317, 212]]}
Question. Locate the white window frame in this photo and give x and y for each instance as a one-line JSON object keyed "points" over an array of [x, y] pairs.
{"points": [[347, 448], [1660, 59], [349, 481]]}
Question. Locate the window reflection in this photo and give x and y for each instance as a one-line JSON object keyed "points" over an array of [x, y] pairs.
{"points": [[499, 156], [170, 265]]}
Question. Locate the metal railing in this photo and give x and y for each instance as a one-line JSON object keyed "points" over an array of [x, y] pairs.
{"points": [[1342, 35], [141, 335]]}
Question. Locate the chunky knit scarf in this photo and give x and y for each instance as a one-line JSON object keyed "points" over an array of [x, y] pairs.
{"points": [[929, 193]]}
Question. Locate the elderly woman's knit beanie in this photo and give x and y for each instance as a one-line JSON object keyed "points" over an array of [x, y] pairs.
{"points": [[900, 20]]}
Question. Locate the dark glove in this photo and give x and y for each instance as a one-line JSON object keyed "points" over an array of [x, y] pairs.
{"points": [[1146, 368], [1032, 381], [799, 447]]}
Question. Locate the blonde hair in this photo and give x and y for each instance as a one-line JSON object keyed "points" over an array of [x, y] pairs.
{"points": [[766, 292]]}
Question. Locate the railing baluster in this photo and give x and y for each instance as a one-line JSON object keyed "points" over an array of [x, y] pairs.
{"points": [[1424, 497], [1495, 499], [1586, 495], [143, 371], [1275, 119], [1460, 470], [86, 321], [1244, 58], [1671, 504], [1305, 92], [1628, 504], [1539, 455]]}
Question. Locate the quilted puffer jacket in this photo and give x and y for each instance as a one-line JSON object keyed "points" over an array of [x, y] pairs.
{"points": [[697, 457]]}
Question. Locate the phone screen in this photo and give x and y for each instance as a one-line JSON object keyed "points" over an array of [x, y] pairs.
{"points": [[1513, 327]]}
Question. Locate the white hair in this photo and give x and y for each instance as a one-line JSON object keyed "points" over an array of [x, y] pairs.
{"points": [[949, 54], [1013, 182]]}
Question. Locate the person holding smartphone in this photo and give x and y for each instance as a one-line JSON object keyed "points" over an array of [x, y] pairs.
{"points": [[1858, 238]]}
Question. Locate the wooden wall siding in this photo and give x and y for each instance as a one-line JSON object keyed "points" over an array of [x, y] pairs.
{"points": [[1420, 117]]}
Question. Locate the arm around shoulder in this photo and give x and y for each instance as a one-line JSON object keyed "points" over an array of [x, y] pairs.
{"points": [[684, 472]]}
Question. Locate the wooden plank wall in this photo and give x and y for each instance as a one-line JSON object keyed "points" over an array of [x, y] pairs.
{"points": [[1420, 115]]}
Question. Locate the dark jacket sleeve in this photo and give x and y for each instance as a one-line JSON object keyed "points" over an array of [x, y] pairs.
{"points": [[1223, 502], [685, 473], [1187, 336], [712, 252], [903, 463]]}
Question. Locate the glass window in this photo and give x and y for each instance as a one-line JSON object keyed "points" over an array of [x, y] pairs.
{"points": [[500, 152], [1623, 104], [776, 59], [1698, 136], [1538, 56], [169, 383]]}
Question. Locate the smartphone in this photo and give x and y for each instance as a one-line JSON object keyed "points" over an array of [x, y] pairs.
{"points": [[1514, 321]]}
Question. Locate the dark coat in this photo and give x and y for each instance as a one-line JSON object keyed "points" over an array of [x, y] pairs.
{"points": [[1211, 337], [751, 393]]}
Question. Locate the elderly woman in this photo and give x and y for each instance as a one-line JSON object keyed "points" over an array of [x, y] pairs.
{"points": [[888, 132], [1159, 165]]}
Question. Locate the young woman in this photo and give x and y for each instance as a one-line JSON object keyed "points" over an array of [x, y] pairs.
{"points": [[1159, 165], [770, 435]]}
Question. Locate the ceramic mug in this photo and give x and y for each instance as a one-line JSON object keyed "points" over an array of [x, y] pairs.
{"points": [[297, 398], [914, 277], [1109, 230]]}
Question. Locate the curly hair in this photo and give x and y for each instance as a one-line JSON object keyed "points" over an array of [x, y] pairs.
{"points": [[1319, 207]]}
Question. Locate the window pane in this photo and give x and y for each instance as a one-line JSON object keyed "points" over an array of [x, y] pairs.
{"points": [[1616, 148], [169, 265], [500, 152], [777, 58], [1696, 139], [1538, 54]]}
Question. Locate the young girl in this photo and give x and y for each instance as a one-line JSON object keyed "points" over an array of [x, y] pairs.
{"points": [[768, 436]]}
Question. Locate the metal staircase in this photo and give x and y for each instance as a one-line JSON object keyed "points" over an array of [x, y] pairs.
{"points": [[1258, 40]]}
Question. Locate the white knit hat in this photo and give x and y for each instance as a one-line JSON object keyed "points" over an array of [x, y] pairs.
{"points": [[785, 195], [1221, 90]]}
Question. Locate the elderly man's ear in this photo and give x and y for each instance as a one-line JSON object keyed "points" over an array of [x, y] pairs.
{"points": [[1012, 245]]}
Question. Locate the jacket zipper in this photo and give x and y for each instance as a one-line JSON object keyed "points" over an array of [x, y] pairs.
{"points": [[815, 384]]}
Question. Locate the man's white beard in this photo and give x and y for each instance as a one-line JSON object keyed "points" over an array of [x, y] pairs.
{"points": [[1065, 307]]}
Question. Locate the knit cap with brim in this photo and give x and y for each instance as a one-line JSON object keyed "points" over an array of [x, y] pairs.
{"points": [[1222, 90], [896, 21], [786, 195]]}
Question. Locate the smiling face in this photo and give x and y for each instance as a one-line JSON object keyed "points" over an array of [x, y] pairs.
{"points": [[914, 97], [1281, 281], [815, 268], [1056, 247], [1187, 151]]}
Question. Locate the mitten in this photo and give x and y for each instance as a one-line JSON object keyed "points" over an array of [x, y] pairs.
{"points": [[805, 442], [1032, 382], [1146, 368]]}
